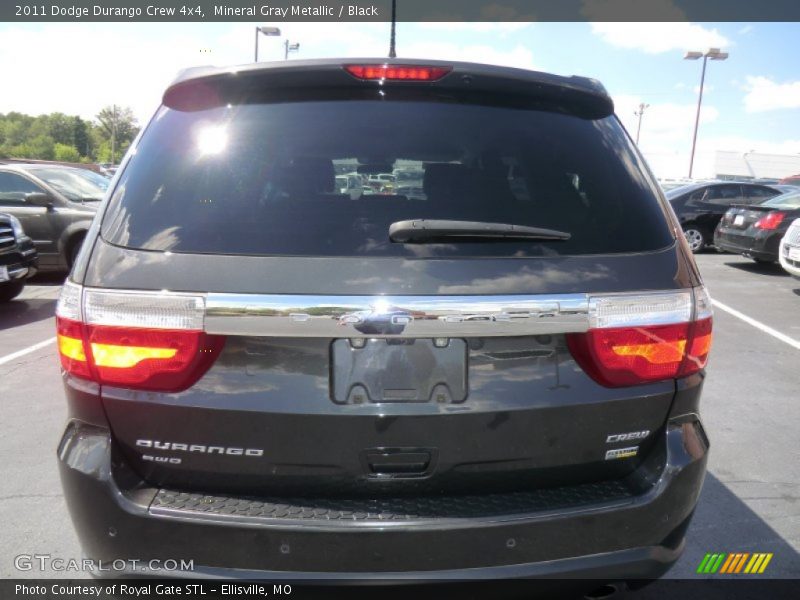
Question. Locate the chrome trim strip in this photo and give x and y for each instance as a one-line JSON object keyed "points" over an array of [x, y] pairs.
{"points": [[395, 316], [17, 273]]}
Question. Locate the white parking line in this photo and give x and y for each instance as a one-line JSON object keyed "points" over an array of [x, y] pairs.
{"points": [[15, 355], [757, 324]]}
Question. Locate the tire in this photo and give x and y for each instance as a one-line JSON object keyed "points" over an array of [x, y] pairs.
{"points": [[697, 239], [764, 261], [10, 290]]}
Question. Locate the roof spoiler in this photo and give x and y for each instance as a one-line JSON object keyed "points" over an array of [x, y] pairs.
{"points": [[207, 87]]}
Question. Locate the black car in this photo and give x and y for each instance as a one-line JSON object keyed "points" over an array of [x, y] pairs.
{"points": [[700, 206], [756, 231], [268, 377], [18, 258], [55, 204]]}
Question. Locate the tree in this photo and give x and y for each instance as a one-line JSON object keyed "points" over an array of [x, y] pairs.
{"points": [[80, 135], [67, 153], [119, 127], [67, 137], [60, 128]]}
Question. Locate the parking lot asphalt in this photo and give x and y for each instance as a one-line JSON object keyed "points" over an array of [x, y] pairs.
{"points": [[750, 408]]}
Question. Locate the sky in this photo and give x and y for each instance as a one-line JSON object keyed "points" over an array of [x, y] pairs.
{"points": [[751, 101]]}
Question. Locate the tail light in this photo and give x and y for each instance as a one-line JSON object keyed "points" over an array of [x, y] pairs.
{"points": [[644, 338], [397, 72], [147, 341], [771, 221]]}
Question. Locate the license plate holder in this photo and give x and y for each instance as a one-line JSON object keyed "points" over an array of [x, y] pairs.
{"points": [[739, 220], [4, 274], [380, 370]]}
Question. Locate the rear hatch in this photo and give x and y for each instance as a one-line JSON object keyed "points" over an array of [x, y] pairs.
{"points": [[338, 361]]}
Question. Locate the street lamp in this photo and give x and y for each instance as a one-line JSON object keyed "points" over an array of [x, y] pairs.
{"points": [[271, 31], [713, 54], [639, 113], [287, 47]]}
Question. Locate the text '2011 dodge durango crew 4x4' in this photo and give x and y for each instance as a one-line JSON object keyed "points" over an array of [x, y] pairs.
{"points": [[496, 377]]}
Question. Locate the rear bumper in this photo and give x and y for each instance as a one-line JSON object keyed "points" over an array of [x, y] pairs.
{"points": [[763, 245], [633, 536], [791, 266]]}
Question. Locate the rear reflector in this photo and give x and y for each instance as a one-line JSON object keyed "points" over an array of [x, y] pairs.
{"points": [[640, 339], [142, 341], [771, 221], [397, 72]]}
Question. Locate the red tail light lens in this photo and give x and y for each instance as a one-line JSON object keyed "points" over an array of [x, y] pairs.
{"points": [[71, 347], [151, 359], [639, 352], [699, 347], [156, 358], [397, 72], [771, 221], [143, 359]]}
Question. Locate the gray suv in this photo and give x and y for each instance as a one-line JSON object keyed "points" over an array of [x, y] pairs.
{"points": [[497, 378], [55, 205]]}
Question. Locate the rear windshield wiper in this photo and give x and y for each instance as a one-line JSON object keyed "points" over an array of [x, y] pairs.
{"points": [[425, 230]]}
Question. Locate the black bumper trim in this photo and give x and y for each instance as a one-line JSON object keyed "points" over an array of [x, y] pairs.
{"points": [[432, 511], [634, 563]]}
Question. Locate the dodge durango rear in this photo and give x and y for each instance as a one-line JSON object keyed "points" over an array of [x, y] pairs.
{"points": [[496, 354]]}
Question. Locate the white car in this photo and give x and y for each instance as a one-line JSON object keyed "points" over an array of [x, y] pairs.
{"points": [[789, 253]]}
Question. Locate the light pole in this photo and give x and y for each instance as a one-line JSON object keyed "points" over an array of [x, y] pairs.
{"points": [[713, 54], [639, 113], [287, 47], [392, 52], [271, 31]]}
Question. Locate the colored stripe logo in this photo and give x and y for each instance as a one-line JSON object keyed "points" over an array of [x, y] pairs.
{"points": [[734, 563]]}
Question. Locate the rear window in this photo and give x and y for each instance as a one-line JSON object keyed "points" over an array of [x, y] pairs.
{"points": [[328, 178], [789, 201]]}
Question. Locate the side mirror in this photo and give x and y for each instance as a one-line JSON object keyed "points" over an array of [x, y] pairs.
{"points": [[39, 199]]}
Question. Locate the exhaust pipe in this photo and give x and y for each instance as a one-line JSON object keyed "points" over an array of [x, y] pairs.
{"points": [[604, 592]]}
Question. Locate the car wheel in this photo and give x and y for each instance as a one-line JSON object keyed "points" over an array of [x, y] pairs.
{"points": [[696, 239], [9, 291]]}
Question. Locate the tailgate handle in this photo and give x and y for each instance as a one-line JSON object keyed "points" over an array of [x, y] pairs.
{"points": [[396, 461]]}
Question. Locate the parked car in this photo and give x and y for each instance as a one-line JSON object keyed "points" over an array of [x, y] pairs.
{"points": [[756, 231], [411, 192], [700, 206], [269, 378], [18, 258], [348, 183], [671, 184], [55, 205], [381, 182], [791, 180], [789, 254]]}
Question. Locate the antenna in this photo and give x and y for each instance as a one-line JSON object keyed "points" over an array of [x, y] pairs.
{"points": [[392, 53]]}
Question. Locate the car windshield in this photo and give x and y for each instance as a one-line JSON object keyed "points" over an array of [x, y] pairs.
{"points": [[261, 179], [790, 201], [75, 184]]}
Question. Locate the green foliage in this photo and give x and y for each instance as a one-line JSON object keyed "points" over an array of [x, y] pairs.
{"points": [[67, 137], [67, 153]]}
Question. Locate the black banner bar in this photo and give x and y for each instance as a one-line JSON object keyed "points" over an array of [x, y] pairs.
{"points": [[407, 10], [720, 588]]}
